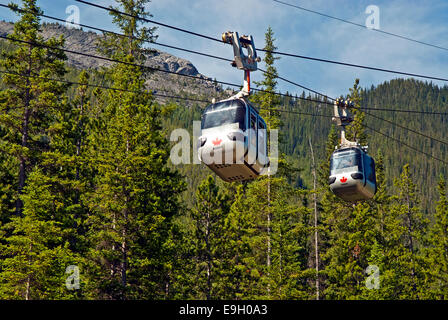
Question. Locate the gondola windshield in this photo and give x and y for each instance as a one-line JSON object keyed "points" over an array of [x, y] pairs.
{"points": [[346, 162], [225, 112]]}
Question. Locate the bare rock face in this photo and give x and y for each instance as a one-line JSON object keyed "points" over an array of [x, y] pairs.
{"points": [[75, 40], [79, 41], [171, 63], [87, 42], [5, 28]]}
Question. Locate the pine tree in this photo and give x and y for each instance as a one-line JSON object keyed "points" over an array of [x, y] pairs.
{"points": [[66, 162], [29, 103], [136, 193], [290, 244], [36, 254], [437, 250], [240, 273], [268, 100], [355, 132], [268, 103], [36, 251], [52, 207], [7, 182], [287, 276], [405, 228], [351, 238], [209, 215]]}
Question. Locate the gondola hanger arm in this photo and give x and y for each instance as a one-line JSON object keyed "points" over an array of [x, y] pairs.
{"points": [[247, 62]]}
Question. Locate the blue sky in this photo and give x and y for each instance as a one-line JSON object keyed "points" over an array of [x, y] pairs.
{"points": [[298, 32]]}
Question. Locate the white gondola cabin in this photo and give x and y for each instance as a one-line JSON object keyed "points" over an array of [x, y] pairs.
{"points": [[233, 141], [352, 170], [352, 174]]}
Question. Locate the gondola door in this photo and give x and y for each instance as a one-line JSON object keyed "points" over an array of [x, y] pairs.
{"points": [[252, 138], [262, 157], [369, 174]]}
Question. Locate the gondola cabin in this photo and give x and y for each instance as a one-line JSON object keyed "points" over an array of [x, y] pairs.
{"points": [[352, 174], [233, 141]]}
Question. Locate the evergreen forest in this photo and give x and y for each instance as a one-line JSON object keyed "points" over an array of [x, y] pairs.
{"points": [[93, 208]]}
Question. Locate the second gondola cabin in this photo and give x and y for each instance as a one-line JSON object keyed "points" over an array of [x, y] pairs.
{"points": [[352, 174], [233, 141]]}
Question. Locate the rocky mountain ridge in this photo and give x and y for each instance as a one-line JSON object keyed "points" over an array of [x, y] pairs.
{"points": [[87, 42]]}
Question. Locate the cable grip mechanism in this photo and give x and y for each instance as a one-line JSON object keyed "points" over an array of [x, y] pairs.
{"points": [[343, 120], [247, 62]]}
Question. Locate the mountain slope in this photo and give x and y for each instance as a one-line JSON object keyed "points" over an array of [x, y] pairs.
{"points": [[86, 42]]}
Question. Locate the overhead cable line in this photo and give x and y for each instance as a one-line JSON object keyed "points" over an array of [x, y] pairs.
{"points": [[198, 100], [229, 60], [435, 113], [154, 69], [273, 52], [184, 98], [298, 85], [115, 33], [374, 130], [211, 56], [406, 128], [138, 92], [100, 86], [149, 20], [164, 45], [200, 79], [142, 66], [172, 47], [362, 26], [304, 113], [405, 144], [193, 33], [356, 65], [130, 91], [114, 60]]}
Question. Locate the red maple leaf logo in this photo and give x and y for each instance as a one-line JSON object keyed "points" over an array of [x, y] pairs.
{"points": [[343, 179], [217, 142]]}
